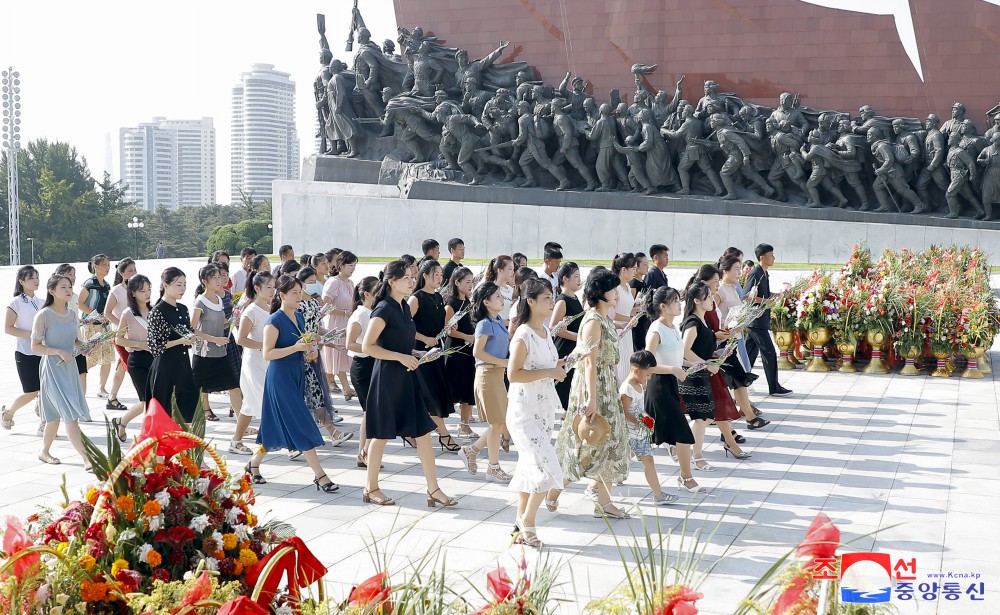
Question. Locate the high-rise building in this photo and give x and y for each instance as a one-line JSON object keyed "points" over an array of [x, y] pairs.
{"points": [[265, 146], [169, 163]]}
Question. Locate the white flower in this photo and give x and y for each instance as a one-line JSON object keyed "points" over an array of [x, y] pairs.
{"points": [[201, 485], [155, 522], [188, 575], [56, 610], [143, 551], [284, 609], [199, 523], [217, 537], [242, 531], [126, 535], [111, 533], [61, 599], [232, 515], [81, 607], [212, 564], [163, 498], [42, 595]]}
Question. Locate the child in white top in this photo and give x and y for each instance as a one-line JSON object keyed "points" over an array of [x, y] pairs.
{"points": [[632, 391]]}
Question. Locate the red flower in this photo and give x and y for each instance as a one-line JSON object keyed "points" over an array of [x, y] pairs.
{"points": [[161, 574], [372, 593], [176, 536], [648, 421], [178, 492], [130, 580], [66, 526], [822, 539], [201, 590], [681, 601], [14, 540], [793, 599], [499, 585]]}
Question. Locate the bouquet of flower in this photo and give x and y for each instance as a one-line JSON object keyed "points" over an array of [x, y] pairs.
{"points": [[326, 310], [858, 266], [198, 344], [717, 361], [439, 353], [630, 324], [878, 312], [577, 354], [93, 318], [818, 305], [914, 323], [745, 313], [457, 316], [562, 324], [93, 342], [332, 336]]}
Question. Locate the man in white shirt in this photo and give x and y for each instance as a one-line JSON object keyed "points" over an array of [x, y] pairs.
{"points": [[240, 276], [552, 255]]}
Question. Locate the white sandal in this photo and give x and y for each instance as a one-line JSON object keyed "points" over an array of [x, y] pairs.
{"points": [[704, 468]]}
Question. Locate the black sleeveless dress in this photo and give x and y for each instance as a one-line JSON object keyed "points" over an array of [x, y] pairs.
{"points": [[433, 376], [461, 367], [696, 390], [565, 346]]}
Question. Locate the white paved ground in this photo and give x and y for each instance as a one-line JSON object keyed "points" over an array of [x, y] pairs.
{"points": [[870, 451]]}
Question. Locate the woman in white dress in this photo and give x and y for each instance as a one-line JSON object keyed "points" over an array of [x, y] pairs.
{"points": [[260, 292], [533, 369], [500, 271], [624, 266]]}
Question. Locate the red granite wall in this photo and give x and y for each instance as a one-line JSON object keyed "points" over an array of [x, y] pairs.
{"points": [[757, 48]]}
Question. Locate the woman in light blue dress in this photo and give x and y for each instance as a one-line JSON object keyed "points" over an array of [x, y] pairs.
{"points": [[54, 336]]}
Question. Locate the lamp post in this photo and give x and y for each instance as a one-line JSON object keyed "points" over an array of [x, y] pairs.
{"points": [[32, 240], [136, 224], [11, 90], [270, 227]]}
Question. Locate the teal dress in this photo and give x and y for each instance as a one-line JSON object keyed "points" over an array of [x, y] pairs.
{"points": [[285, 421], [61, 394]]}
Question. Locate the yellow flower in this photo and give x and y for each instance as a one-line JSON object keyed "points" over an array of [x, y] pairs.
{"points": [[62, 546], [118, 565], [87, 562], [151, 508], [229, 541], [92, 496], [252, 520], [247, 558]]}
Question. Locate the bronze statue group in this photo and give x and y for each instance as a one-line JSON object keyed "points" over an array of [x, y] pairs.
{"points": [[614, 362], [431, 105]]}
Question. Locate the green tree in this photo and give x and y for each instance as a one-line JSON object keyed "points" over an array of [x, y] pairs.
{"points": [[234, 237]]}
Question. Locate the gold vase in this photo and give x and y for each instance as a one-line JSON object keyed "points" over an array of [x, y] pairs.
{"points": [[911, 355], [783, 339], [846, 357], [877, 339], [942, 364], [972, 353], [818, 338], [984, 360]]}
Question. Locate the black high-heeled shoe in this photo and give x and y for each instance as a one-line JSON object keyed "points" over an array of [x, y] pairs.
{"points": [[410, 442], [450, 445], [329, 487], [254, 472], [116, 423], [739, 439]]}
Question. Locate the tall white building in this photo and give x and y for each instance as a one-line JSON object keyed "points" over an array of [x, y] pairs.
{"points": [[169, 163], [265, 145]]}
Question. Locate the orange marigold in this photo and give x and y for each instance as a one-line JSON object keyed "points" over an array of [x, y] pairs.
{"points": [[125, 503], [237, 569], [151, 508], [131, 515], [93, 592], [192, 470], [153, 558], [92, 496], [87, 562], [229, 541], [252, 520], [159, 468], [245, 544], [247, 557]]}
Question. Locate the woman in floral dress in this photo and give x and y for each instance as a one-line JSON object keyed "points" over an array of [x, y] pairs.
{"points": [[595, 391], [534, 368]]}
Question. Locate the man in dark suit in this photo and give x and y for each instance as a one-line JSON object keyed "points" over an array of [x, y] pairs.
{"points": [[655, 277], [759, 331]]}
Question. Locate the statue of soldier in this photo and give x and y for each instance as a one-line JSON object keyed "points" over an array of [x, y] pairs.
{"points": [[576, 96], [461, 127], [534, 148], [990, 158], [971, 142], [957, 117], [662, 110], [963, 176], [749, 121], [410, 126], [787, 159], [319, 94], [890, 175], [569, 145], [472, 72], [992, 130], [389, 49], [910, 142], [694, 150], [427, 71], [448, 145], [366, 65], [867, 121], [819, 156], [827, 128], [342, 124], [787, 114], [474, 101], [935, 155], [541, 107], [738, 158], [590, 149], [721, 103], [648, 156], [500, 121], [847, 148], [609, 163]]}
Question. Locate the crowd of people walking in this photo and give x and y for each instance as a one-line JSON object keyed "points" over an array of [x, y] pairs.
{"points": [[617, 362]]}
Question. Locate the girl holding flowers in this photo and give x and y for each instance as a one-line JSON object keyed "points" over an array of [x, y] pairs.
{"points": [[133, 323], [113, 308], [20, 317], [460, 367], [212, 369], [567, 306], [168, 338], [338, 290], [253, 318]]}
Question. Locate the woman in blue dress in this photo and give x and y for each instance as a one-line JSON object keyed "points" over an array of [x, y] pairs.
{"points": [[54, 336], [286, 422], [395, 407]]}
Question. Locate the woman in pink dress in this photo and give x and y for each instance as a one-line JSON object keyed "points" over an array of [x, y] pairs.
{"points": [[339, 291]]}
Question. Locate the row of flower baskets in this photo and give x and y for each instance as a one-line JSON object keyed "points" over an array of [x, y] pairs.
{"points": [[937, 303]]}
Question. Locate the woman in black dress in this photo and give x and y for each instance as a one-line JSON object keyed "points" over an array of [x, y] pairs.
{"points": [[134, 323], [699, 345], [427, 307], [461, 367], [395, 407], [170, 373], [638, 287], [567, 306]]}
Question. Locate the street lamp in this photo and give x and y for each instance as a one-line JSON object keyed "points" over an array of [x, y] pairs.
{"points": [[32, 240], [136, 224], [270, 227], [11, 90]]}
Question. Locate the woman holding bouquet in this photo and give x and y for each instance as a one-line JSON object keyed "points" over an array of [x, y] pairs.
{"points": [[624, 266], [286, 422], [395, 405], [317, 393], [113, 308], [594, 392], [169, 337], [339, 291], [253, 318], [54, 336], [533, 368], [19, 319], [361, 363], [212, 369], [427, 308], [460, 367], [133, 323], [730, 295], [567, 306], [93, 298], [81, 361]]}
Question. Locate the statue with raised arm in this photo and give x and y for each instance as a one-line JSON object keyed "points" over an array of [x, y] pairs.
{"points": [[428, 73], [472, 72], [694, 150], [662, 110], [319, 94], [575, 97], [569, 145]]}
